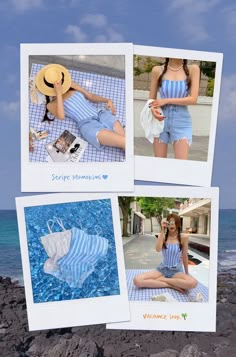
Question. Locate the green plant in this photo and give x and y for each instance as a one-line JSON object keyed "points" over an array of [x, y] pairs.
{"points": [[210, 87], [144, 64]]}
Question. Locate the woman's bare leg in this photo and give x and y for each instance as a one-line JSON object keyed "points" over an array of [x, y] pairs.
{"points": [[181, 280], [118, 128], [109, 138], [181, 149], [160, 148], [152, 279]]}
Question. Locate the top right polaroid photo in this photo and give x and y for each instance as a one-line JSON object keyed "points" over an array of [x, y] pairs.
{"points": [[176, 97]]}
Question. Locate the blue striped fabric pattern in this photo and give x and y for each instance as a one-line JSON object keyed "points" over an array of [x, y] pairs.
{"points": [[77, 107], [171, 255], [173, 88], [79, 263]]}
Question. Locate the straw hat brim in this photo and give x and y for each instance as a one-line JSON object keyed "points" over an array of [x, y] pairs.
{"points": [[44, 87]]}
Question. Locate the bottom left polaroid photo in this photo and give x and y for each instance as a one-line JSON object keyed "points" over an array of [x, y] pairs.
{"points": [[72, 259]]}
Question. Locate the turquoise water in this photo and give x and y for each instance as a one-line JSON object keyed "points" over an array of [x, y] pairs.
{"points": [[94, 217]]}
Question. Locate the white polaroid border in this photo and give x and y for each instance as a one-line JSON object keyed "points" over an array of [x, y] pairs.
{"points": [[187, 172], [165, 310], [82, 176], [67, 313]]}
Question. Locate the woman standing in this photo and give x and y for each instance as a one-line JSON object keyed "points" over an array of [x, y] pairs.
{"points": [[178, 84], [169, 273]]}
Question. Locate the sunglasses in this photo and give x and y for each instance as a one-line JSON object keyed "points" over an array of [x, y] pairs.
{"points": [[74, 149], [171, 223]]}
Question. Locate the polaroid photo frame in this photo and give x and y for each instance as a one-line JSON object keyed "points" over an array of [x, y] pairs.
{"points": [[197, 170], [77, 294], [94, 172], [175, 311]]}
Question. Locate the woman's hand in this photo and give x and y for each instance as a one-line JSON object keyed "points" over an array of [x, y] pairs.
{"points": [[110, 106], [58, 87], [164, 225], [158, 102], [157, 114]]}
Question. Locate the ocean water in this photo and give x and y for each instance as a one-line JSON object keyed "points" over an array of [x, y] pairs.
{"points": [[93, 217], [10, 258], [227, 240]]}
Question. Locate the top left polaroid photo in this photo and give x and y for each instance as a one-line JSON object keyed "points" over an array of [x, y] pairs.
{"points": [[76, 117]]}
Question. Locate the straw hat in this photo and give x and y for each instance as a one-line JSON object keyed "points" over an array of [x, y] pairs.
{"points": [[48, 75]]}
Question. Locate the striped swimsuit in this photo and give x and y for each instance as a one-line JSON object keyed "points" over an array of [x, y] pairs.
{"points": [[80, 262], [177, 123]]}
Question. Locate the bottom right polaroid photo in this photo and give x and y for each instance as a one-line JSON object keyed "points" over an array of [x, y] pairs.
{"points": [[170, 241]]}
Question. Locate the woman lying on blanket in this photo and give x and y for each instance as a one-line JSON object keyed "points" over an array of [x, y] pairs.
{"points": [[98, 127], [169, 273]]}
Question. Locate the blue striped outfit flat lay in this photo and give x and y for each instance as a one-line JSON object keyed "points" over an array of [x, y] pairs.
{"points": [[171, 263], [85, 251], [177, 123]]}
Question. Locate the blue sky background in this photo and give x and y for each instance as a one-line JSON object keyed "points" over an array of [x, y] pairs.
{"points": [[184, 24]]}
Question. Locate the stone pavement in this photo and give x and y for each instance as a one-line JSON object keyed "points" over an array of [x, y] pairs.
{"points": [[140, 253], [198, 150], [200, 239]]}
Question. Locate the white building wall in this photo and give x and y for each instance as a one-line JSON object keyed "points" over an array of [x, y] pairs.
{"points": [[186, 223]]}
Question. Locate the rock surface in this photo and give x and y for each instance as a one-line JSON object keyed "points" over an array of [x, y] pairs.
{"points": [[96, 341]]}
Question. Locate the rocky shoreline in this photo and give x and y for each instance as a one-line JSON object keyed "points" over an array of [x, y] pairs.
{"points": [[96, 341]]}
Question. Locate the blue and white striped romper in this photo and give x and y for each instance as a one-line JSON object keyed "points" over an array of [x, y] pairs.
{"points": [[177, 123], [171, 255], [171, 263], [90, 121]]}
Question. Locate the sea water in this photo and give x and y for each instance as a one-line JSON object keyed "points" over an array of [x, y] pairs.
{"points": [[10, 258]]}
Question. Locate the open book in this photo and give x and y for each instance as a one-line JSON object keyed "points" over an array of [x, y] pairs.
{"points": [[66, 148]]}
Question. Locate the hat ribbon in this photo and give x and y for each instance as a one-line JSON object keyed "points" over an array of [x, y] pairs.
{"points": [[51, 85]]}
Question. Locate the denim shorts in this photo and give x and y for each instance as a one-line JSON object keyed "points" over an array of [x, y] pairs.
{"points": [[169, 272], [91, 127], [177, 124]]}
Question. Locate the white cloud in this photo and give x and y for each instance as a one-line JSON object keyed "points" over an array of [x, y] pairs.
{"points": [[24, 5], [95, 20], [101, 38], [227, 107], [110, 35], [10, 109], [114, 36], [76, 32], [189, 15]]}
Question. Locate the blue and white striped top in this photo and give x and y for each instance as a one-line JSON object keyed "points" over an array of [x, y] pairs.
{"points": [[77, 107], [173, 88], [171, 255]]}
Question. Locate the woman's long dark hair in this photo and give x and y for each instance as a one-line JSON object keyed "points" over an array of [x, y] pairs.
{"points": [[177, 224], [46, 117], [185, 68]]}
